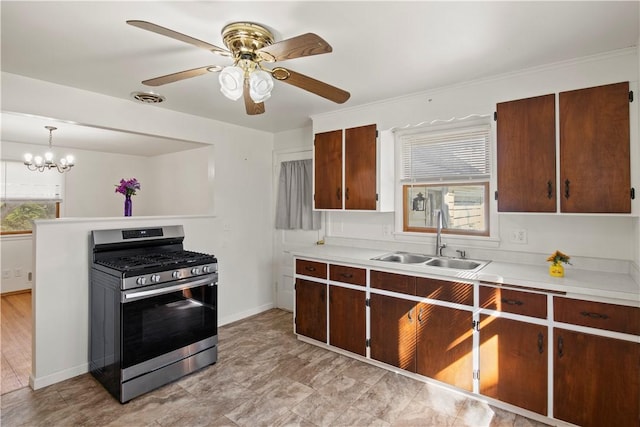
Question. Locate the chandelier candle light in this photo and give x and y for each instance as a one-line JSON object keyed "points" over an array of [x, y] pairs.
{"points": [[128, 188], [40, 164]]}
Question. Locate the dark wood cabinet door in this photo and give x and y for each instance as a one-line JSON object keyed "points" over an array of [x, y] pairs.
{"points": [[596, 380], [526, 155], [444, 348], [347, 324], [594, 150], [393, 331], [360, 168], [513, 362], [311, 309], [328, 170]]}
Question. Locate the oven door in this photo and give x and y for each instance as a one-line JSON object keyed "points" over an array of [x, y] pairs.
{"points": [[165, 323]]}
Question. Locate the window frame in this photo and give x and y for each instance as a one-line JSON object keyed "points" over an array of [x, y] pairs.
{"points": [[452, 231], [23, 232], [487, 180]]}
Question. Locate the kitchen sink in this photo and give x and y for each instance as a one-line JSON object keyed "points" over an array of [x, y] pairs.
{"points": [[404, 258], [455, 263], [431, 261]]}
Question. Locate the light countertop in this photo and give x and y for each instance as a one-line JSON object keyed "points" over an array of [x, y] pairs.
{"points": [[605, 286]]}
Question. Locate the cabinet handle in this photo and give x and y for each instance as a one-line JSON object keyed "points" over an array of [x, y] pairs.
{"points": [[540, 343], [511, 301], [310, 268], [420, 315], [409, 316], [594, 315], [549, 190], [346, 275], [560, 347], [346, 193], [566, 189], [338, 194]]}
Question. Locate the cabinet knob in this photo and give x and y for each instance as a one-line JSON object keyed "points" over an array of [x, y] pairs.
{"points": [[594, 315], [540, 343], [338, 194], [511, 301], [560, 347], [549, 190], [566, 189]]}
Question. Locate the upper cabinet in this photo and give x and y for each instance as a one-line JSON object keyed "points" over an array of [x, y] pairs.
{"points": [[350, 171], [526, 154], [594, 149], [595, 166]]}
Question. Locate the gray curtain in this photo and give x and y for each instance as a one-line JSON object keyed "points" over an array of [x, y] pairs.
{"points": [[294, 209]]}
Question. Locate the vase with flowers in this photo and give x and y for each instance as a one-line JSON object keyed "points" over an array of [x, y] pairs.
{"points": [[556, 259], [128, 188]]}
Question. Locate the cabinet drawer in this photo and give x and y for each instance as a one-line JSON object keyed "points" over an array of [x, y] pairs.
{"points": [[444, 290], [311, 268], [344, 274], [516, 302], [393, 282], [611, 317]]}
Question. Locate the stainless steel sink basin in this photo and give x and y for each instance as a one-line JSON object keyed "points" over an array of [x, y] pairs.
{"points": [[431, 261], [457, 264], [404, 258]]}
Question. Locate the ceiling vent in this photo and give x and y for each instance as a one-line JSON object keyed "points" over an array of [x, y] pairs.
{"points": [[148, 97]]}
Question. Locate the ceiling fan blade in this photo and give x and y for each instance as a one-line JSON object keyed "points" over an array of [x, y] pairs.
{"points": [[295, 47], [181, 75], [178, 36], [309, 84], [252, 108]]}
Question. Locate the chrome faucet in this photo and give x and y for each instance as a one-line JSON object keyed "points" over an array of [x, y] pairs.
{"points": [[439, 245]]}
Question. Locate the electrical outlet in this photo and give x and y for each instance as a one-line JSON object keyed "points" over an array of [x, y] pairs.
{"points": [[6, 274], [518, 236]]}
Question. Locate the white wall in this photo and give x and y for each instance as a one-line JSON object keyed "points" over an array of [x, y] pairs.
{"points": [[598, 236], [240, 234], [171, 184]]}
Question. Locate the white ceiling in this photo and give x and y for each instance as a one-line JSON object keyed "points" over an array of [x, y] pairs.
{"points": [[381, 49]]}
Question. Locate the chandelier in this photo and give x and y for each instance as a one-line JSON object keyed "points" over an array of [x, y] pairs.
{"points": [[40, 164]]}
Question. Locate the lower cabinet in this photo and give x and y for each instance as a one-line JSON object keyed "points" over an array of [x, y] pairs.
{"points": [[513, 362], [347, 319], [311, 309], [393, 331], [444, 345], [596, 380], [428, 339]]}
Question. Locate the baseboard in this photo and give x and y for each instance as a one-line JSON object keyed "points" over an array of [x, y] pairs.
{"points": [[244, 314], [36, 383], [18, 292]]}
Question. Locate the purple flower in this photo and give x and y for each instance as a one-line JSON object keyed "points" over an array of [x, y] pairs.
{"points": [[128, 187]]}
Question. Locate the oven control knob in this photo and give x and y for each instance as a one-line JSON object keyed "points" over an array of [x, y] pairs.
{"points": [[176, 274], [206, 269], [141, 280], [195, 270], [155, 278]]}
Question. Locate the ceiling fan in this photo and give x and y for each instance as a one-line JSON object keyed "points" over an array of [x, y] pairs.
{"points": [[250, 45]]}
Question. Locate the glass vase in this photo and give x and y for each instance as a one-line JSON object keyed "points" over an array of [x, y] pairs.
{"points": [[127, 206]]}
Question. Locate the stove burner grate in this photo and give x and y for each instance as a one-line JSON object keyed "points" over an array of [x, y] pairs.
{"points": [[157, 259]]}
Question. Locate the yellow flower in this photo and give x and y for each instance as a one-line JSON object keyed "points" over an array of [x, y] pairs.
{"points": [[557, 257]]}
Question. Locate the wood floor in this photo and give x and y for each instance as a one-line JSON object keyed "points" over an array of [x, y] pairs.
{"points": [[15, 341]]}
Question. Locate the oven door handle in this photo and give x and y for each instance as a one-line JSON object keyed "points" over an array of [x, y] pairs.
{"points": [[211, 280]]}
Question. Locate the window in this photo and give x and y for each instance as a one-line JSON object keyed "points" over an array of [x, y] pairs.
{"points": [[447, 171], [26, 196]]}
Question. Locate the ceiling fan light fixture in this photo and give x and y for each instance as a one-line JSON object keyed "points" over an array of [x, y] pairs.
{"points": [[231, 82], [260, 86]]}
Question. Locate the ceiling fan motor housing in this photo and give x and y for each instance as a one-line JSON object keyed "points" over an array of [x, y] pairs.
{"points": [[245, 38]]}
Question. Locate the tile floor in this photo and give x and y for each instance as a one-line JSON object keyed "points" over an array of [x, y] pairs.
{"points": [[264, 377]]}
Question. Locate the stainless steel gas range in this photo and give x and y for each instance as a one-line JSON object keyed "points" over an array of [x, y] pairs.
{"points": [[153, 309]]}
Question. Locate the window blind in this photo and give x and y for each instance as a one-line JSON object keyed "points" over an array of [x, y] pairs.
{"points": [[19, 183], [454, 154]]}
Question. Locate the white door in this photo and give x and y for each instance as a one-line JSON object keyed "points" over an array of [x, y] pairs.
{"points": [[286, 240]]}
